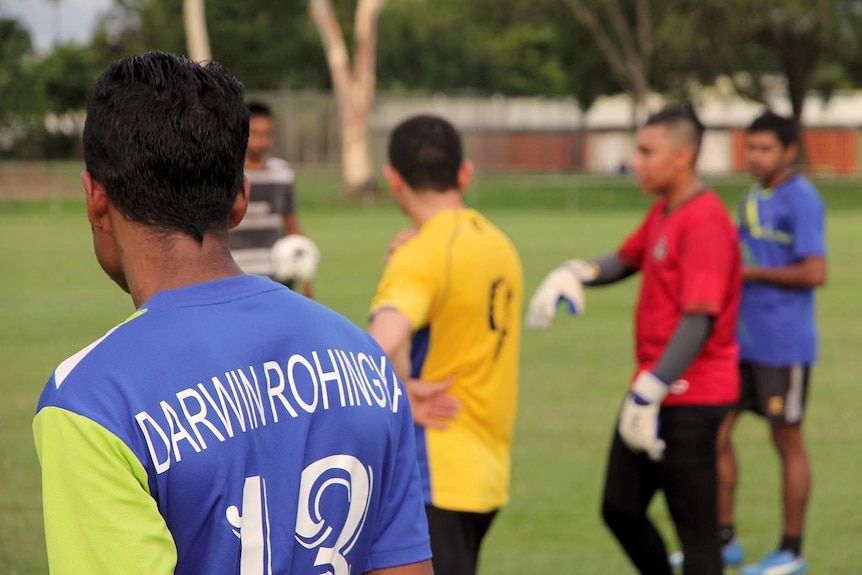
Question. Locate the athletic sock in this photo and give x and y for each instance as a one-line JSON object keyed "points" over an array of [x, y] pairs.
{"points": [[726, 533], [792, 544]]}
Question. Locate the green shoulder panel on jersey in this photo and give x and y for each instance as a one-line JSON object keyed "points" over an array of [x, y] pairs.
{"points": [[99, 514]]}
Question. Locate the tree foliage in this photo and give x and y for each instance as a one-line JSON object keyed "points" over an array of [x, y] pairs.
{"points": [[16, 73], [481, 47]]}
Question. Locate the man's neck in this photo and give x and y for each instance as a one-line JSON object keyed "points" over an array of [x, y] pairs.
{"points": [[428, 204], [182, 262], [682, 189], [255, 163], [777, 178]]}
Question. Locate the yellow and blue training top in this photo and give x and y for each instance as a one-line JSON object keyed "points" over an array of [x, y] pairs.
{"points": [[460, 284]]}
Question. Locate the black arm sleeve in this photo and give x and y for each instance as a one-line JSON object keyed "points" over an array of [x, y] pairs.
{"points": [[691, 334], [611, 269]]}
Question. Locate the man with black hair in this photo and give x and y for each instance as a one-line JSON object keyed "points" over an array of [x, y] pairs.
{"points": [[272, 201], [448, 310], [781, 227], [665, 438], [222, 428]]}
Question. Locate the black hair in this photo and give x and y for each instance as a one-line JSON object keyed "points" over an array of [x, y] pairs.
{"points": [[683, 122], [256, 108], [426, 151], [166, 137], [784, 128]]}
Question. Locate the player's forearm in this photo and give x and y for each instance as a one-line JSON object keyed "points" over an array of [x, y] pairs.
{"points": [[808, 273], [610, 269], [391, 329], [689, 338], [291, 225]]}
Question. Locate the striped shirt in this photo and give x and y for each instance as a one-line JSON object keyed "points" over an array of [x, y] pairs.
{"points": [[272, 197]]}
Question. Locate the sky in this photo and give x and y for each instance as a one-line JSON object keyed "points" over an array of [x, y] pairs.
{"points": [[68, 20]]}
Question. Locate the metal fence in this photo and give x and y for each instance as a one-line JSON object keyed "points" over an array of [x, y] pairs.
{"points": [[546, 135]]}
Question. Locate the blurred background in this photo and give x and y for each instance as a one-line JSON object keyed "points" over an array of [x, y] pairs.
{"points": [[551, 86], [548, 94]]}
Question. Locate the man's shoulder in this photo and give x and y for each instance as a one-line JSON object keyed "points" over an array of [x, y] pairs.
{"points": [[90, 364], [275, 171], [278, 164], [708, 207], [800, 190]]}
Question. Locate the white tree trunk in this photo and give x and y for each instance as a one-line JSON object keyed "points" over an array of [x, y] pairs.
{"points": [[354, 85], [357, 167], [197, 36]]}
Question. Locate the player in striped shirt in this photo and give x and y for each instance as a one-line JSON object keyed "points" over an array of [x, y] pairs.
{"points": [[272, 202]]}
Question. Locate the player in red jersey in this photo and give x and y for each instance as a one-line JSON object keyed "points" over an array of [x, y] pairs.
{"points": [[688, 254]]}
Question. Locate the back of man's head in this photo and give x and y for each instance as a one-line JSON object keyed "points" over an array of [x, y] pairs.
{"points": [[682, 125], [167, 137], [426, 152], [784, 128]]}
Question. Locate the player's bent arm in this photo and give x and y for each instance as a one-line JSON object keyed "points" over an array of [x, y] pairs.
{"points": [[808, 272], [421, 568], [391, 329], [684, 346], [291, 225], [609, 269], [565, 284], [429, 401], [639, 416], [99, 515]]}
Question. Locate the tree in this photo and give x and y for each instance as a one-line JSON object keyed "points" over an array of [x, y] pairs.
{"points": [[626, 37], [506, 47], [16, 95], [197, 36], [796, 34], [354, 85], [812, 44], [267, 45]]}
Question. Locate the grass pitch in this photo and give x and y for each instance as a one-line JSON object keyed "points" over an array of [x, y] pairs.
{"points": [[54, 300]]}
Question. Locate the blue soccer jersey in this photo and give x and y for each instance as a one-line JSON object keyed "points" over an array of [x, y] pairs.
{"points": [[229, 427], [778, 227]]}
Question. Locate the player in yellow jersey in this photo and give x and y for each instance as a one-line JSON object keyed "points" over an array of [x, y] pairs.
{"points": [[448, 310]]}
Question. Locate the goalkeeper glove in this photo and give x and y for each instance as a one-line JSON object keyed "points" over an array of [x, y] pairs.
{"points": [[565, 283], [639, 415]]}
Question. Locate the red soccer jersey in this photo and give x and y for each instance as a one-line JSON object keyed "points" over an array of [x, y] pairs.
{"points": [[690, 263]]}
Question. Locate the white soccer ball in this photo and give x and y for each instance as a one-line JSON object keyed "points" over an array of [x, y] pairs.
{"points": [[294, 258]]}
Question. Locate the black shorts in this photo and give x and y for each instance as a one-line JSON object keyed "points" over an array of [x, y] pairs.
{"points": [[777, 393], [455, 539]]}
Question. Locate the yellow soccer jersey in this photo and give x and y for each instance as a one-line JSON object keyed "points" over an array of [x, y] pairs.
{"points": [[459, 282]]}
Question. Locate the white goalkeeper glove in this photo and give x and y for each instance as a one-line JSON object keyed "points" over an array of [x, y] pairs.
{"points": [[639, 420], [564, 283]]}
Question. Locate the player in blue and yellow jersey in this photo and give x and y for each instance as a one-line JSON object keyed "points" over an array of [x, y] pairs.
{"points": [[781, 229], [448, 310], [230, 426]]}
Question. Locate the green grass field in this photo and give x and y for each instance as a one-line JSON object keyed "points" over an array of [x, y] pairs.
{"points": [[54, 300]]}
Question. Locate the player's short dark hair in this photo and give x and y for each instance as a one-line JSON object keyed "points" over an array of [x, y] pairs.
{"points": [[166, 137], [784, 128], [682, 121], [256, 108], [426, 151]]}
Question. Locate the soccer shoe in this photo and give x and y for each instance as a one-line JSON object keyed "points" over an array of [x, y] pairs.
{"points": [[731, 555], [781, 562]]}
